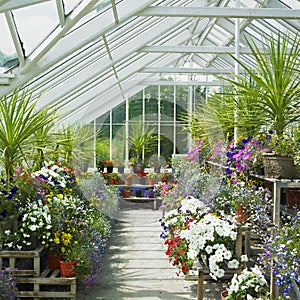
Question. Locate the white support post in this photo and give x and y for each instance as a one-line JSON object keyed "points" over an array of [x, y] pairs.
{"points": [[110, 134], [174, 121], [236, 64], [158, 123], [126, 130], [143, 121], [95, 144]]}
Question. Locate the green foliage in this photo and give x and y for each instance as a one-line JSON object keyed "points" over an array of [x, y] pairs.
{"points": [[274, 83], [19, 121], [141, 139]]}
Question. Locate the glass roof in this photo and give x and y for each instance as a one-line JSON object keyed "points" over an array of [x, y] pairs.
{"points": [[85, 56]]}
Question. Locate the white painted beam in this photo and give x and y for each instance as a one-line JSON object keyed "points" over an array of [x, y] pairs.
{"points": [[15, 4], [61, 12], [221, 12], [175, 83], [15, 36], [187, 70], [5, 79], [194, 49]]}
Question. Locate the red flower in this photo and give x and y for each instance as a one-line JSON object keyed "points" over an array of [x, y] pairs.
{"points": [[184, 269]]}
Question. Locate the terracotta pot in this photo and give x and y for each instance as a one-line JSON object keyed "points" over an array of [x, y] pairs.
{"points": [[126, 193], [224, 294], [151, 181], [293, 198], [128, 181], [241, 213], [53, 261], [67, 268], [115, 181]]}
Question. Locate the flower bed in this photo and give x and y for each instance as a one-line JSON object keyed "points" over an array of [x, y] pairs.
{"points": [[68, 214]]}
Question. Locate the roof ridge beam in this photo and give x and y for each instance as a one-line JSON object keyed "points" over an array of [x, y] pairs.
{"points": [[221, 12], [187, 70], [194, 49]]}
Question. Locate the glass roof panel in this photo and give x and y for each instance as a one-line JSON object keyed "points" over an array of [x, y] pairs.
{"points": [[35, 22], [6, 44]]}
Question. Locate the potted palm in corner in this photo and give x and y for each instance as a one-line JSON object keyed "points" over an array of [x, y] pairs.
{"points": [[273, 83]]}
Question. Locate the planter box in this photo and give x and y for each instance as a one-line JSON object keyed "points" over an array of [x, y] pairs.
{"points": [[278, 166]]}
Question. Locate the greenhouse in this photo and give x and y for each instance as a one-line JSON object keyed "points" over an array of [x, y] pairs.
{"points": [[151, 146]]}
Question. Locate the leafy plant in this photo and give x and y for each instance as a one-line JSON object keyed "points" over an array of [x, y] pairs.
{"points": [[273, 83], [19, 121], [250, 283], [141, 138]]}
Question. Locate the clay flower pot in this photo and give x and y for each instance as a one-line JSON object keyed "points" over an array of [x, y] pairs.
{"points": [[67, 268], [224, 294], [53, 261]]}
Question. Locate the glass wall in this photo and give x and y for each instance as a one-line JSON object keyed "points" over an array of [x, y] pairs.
{"points": [[164, 109]]}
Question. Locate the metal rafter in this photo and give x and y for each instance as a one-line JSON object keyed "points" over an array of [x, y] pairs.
{"points": [[61, 12], [16, 37], [224, 12], [15, 4]]}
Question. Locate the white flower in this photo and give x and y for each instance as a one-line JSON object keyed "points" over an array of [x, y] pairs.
{"points": [[244, 258], [233, 264]]}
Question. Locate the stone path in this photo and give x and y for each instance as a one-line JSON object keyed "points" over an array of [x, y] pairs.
{"points": [[135, 265]]}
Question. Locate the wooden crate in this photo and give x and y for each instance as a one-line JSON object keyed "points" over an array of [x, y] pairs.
{"points": [[24, 263], [48, 285], [32, 283]]}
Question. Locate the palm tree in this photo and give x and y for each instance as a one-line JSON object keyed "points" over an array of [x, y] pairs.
{"points": [[273, 83], [140, 139], [19, 121]]}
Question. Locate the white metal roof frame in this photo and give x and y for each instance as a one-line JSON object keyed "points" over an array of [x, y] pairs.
{"points": [[102, 52]]}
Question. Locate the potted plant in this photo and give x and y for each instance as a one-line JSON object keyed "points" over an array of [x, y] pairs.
{"points": [[109, 166], [278, 160], [128, 179], [141, 177], [273, 83], [250, 283], [115, 178], [141, 140], [151, 178]]}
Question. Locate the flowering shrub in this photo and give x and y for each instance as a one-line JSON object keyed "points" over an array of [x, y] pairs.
{"points": [[215, 238], [173, 223], [243, 157], [8, 287], [191, 230], [250, 284], [282, 252]]}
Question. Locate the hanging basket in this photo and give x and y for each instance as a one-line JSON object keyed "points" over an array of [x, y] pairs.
{"points": [[279, 166]]}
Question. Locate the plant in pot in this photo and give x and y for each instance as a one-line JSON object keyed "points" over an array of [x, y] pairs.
{"points": [[141, 177], [141, 141], [128, 179], [115, 177], [273, 83], [250, 283], [151, 178], [278, 160]]}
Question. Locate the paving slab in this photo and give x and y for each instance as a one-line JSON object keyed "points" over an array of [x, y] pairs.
{"points": [[135, 265]]}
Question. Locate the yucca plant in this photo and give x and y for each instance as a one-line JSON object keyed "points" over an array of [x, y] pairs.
{"points": [[273, 83], [19, 121]]}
